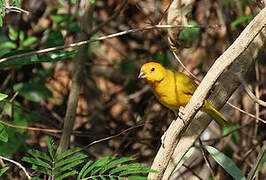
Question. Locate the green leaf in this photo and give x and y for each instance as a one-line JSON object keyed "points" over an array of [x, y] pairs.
{"points": [[59, 55], [227, 163], [115, 163], [68, 166], [3, 170], [127, 67], [3, 133], [35, 92], [29, 41], [96, 170], [66, 175], [55, 39], [3, 96], [187, 155], [13, 35], [242, 19], [190, 34], [261, 163], [98, 163], [50, 143], [69, 160], [128, 166], [135, 171], [21, 35], [17, 3], [112, 178], [81, 173], [67, 153], [36, 178], [2, 4], [40, 154], [36, 162], [136, 178], [19, 61], [1, 21], [41, 170], [8, 45]]}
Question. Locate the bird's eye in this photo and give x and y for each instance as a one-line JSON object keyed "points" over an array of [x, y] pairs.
{"points": [[152, 69]]}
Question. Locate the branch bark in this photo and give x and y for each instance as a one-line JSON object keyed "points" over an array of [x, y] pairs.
{"points": [[181, 137], [86, 23]]}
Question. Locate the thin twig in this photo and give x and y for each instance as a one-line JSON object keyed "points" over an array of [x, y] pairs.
{"points": [[195, 174], [117, 12], [259, 158], [113, 136], [103, 38], [244, 112], [250, 94], [204, 154], [16, 9], [186, 69], [38, 129], [18, 164]]}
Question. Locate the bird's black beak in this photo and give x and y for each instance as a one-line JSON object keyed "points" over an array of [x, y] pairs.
{"points": [[141, 74]]}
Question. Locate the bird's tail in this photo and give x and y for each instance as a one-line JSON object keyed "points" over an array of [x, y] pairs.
{"points": [[215, 114]]}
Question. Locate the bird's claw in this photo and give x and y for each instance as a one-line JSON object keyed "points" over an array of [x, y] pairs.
{"points": [[199, 105]]}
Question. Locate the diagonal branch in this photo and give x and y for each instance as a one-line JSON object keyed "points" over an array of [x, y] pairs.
{"points": [[175, 146]]}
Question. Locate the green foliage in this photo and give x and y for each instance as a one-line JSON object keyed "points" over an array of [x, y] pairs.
{"points": [[187, 155], [161, 58], [3, 133], [3, 170], [13, 138], [54, 164], [3, 96], [261, 163], [190, 34], [227, 163], [242, 19], [61, 165], [110, 165], [35, 92], [126, 67]]}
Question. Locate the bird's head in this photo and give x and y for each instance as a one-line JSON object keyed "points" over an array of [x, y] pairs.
{"points": [[152, 72]]}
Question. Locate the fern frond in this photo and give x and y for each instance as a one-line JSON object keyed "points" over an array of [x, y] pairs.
{"points": [[71, 173], [50, 143], [68, 166], [37, 162], [67, 153], [69, 160], [41, 169], [40, 154], [81, 173], [136, 171], [127, 166], [115, 163]]}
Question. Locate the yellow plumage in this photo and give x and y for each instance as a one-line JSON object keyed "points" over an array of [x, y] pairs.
{"points": [[174, 89]]}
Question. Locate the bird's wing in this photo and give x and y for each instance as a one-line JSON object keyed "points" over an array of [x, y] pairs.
{"points": [[185, 84]]}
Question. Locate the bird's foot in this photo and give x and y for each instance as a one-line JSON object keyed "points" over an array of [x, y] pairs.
{"points": [[199, 105]]}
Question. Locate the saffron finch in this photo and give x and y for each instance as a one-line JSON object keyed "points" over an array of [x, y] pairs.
{"points": [[174, 89]]}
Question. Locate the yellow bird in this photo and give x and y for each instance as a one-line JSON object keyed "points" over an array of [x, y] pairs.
{"points": [[174, 89]]}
